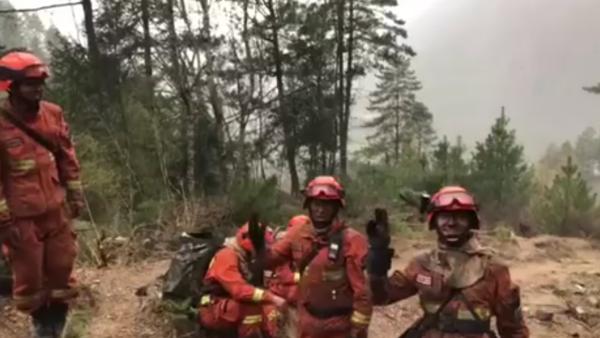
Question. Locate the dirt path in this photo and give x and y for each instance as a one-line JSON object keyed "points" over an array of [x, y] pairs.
{"points": [[118, 309]]}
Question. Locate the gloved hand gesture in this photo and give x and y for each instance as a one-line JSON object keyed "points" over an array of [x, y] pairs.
{"points": [[9, 234], [379, 259], [378, 230], [256, 231]]}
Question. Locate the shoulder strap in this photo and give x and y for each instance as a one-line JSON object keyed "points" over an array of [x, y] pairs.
{"points": [[308, 258], [451, 296], [470, 307], [41, 140], [336, 246], [428, 320]]}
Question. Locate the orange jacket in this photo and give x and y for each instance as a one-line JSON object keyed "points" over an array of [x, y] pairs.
{"points": [[492, 295], [32, 180], [284, 283], [321, 274], [228, 270]]}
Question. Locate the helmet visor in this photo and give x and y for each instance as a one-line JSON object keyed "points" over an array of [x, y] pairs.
{"points": [[454, 198], [37, 71], [323, 191]]}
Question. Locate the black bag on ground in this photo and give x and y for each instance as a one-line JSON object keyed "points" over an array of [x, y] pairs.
{"points": [[183, 280], [5, 277]]}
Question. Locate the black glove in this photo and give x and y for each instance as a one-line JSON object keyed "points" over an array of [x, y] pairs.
{"points": [[256, 231], [10, 235], [379, 259]]}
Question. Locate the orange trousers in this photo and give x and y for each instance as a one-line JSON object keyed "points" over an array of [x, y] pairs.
{"points": [[311, 327], [248, 319], [43, 261]]}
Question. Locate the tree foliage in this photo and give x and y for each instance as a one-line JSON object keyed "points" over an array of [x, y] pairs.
{"points": [[402, 125], [568, 203], [448, 163], [500, 176]]}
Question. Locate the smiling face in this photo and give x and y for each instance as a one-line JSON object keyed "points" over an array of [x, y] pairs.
{"points": [[453, 226]]}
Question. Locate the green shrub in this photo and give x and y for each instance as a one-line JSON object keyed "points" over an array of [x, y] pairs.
{"points": [[262, 197]]}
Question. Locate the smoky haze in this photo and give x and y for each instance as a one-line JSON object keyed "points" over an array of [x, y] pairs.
{"points": [[532, 56]]}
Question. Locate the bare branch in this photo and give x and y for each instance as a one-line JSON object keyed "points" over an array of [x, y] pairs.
{"points": [[35, 9]]}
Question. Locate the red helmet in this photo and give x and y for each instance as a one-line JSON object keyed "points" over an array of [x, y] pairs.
{"points": [[324, 188], [298, 221], [451, 198], [243, 237], [22, 65]]}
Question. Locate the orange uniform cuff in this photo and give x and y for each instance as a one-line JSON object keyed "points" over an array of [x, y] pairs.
{"points": [[258, 295], [360, 319]]}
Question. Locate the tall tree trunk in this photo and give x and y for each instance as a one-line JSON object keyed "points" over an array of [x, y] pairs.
{"points": [[187, 121], [289, 142], [214, 97], [148, 71], [246, 103], [397, 121], [242, 160], [261, 151], [344, 130], [340, 76], [147, 40], [321, 116], [90, 31]]}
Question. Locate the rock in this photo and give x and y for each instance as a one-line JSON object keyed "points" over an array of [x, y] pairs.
{"points": [[142, 291], [579, 310], [121, 240], [579, 289], [148, 243], [544, 316], [593, 301]]}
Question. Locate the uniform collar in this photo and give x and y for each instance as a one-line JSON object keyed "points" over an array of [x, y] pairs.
{"points": [[470, 247], [336, 226]]}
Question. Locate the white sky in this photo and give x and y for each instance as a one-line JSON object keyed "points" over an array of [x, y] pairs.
{"points": [[67, 19]]}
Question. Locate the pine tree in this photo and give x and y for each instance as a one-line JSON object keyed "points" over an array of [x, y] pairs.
{"points": [[568, 202], [500, 176], [398, 116], [587, 149], [448, 162]]}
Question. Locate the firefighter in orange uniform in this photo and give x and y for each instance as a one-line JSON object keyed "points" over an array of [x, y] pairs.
{"points": [[334, 299], [460, 284], [37, 182], [286, 277], [231, 304]]}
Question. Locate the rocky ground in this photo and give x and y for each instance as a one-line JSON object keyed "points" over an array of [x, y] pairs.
{"points": [[559, 278]]}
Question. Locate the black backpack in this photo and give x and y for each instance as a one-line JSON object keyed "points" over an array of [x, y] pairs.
{"points": [[183, 280], [5, 277]]}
